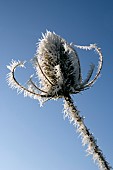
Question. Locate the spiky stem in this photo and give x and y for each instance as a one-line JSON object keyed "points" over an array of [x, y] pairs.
{"points": [[87, 137]]}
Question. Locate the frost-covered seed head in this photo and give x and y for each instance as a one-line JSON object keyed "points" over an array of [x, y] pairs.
{"points": [[57, 65], [58, 68]]}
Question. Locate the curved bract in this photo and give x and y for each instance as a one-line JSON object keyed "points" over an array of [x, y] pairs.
{"points": [[14, 84], [57, 67], [88, 83]]}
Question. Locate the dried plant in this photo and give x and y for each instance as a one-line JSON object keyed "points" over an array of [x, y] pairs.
{"points": [[58, 69]]}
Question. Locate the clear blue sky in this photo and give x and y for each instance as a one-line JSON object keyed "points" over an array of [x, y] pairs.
{"points": [[34, 138]]}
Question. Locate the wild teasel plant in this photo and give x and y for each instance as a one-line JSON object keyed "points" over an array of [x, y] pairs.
{"points": [[58, 69]]}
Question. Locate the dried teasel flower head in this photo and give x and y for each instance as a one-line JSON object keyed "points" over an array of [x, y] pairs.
{"points": [[58, 68], [57, 65]]}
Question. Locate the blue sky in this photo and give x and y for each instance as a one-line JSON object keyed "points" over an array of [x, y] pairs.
{"points": [[34, 138]]}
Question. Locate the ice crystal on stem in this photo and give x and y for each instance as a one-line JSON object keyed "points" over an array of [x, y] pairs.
{"points": [[58, 69], [87, 137]]}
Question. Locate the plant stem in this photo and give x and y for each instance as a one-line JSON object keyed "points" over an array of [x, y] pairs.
{"points": [[86, 136]]}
